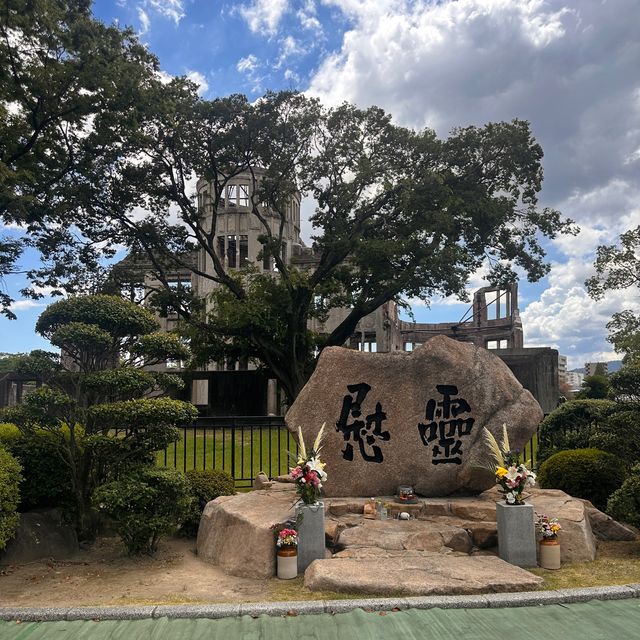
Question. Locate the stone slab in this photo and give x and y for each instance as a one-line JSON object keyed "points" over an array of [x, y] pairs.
{"points": [[426, 574], [426, 432]]}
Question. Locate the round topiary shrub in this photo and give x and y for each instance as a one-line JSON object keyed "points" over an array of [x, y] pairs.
{"points": [[591, 474], [146, 504], [9, 496], [205, 486], [624, 503]]}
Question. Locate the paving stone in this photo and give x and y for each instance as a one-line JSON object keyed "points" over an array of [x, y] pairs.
{"points": [[433, 574]]}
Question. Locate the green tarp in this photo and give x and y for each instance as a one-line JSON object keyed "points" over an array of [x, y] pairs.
{"points": [[609, 620]]}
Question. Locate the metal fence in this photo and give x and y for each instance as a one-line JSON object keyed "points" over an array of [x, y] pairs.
{"points": [[241, 445], [245, 445]]}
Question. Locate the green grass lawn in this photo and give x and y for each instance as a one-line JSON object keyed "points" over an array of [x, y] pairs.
{"points": [[251, 450]]}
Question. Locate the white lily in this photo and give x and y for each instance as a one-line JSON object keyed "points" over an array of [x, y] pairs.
{"points": [[315, 465]]}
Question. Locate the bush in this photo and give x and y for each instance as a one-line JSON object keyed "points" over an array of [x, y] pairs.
{"points": [[46, 479], [145, 504], [624, 503], [618, 434], [205, 486], [9, 496], [570, 426], [583, 473]]}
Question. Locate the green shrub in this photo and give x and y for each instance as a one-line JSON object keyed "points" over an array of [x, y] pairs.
{"points": [[9, 496], [145, 504], [570, 426], [618, 434], [583, 473], [46, 479], [205, 486], [624, 503]]}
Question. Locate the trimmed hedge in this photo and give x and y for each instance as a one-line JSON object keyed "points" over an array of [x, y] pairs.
{"points": [[146, 504], [571, 425], [46, 479], [624, 503], [205, 486], [591, 474], [9, 496]]}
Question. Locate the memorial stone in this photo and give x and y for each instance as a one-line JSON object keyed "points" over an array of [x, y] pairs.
{"points": [[411, 418]]}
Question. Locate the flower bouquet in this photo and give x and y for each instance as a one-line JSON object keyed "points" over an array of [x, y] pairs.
{"points": [[287, 538], [548, 527], [308, 472], [512, 476]]}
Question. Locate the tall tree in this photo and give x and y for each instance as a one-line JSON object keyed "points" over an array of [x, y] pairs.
{"points": [[70, 88], [618, 267], [400, 213]]}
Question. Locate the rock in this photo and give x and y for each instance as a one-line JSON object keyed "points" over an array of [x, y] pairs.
{"points": [[417, 535], [235, 532], [41, 534], [577, 542], [605, 527], [381, 434], [262, 481], [332, 530], [284, 478], [484, 534], [415, 574]]}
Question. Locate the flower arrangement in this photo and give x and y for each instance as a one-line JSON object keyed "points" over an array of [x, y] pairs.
{"points": [[512, 476], [548, 527], [308, 472], [287, 538]]}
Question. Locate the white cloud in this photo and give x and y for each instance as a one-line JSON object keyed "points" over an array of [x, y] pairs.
{"points": [[21, 305], [143, 16], [307, 15], [200, 80], [570, 67], [289, 47], [565, 317], [263, 16], [172, 9], [247, 64]]}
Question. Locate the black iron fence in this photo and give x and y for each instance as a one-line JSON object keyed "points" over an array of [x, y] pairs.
{"points": [[245, 445], [241, 445]]}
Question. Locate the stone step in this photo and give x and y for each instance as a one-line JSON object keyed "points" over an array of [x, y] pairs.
{"points": [[417, 574]]}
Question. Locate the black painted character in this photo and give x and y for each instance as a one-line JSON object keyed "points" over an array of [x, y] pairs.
{"points": [[445, 426], [365, 432]]}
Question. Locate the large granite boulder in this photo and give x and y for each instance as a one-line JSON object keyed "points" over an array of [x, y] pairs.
{"points": [[411, 418], [235, 531]]}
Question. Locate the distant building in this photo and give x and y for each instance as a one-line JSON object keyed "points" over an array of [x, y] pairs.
{"points": [[574, 379], [590, 368], [562, 368]]}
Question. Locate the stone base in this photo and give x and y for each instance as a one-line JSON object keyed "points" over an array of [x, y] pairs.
{"points": [[516, 534], [235, 532], [310, 522]]}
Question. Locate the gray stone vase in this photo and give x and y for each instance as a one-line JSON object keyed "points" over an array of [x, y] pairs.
{"points": [[516, 534], [310, 522]]}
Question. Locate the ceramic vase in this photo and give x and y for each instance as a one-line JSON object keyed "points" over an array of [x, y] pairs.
{"points": [[549, 553], [287, 563]]}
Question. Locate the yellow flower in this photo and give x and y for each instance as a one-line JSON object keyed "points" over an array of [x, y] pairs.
{"points": [[501, 472]]}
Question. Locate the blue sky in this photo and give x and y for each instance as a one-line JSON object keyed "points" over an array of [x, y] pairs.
{"points": [[572, 68]]}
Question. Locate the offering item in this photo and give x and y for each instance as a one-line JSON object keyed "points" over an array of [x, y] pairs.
{"points": [[406, 494]]}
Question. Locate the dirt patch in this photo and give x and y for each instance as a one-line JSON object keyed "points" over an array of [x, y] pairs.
{"points": [[105, 575]]}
